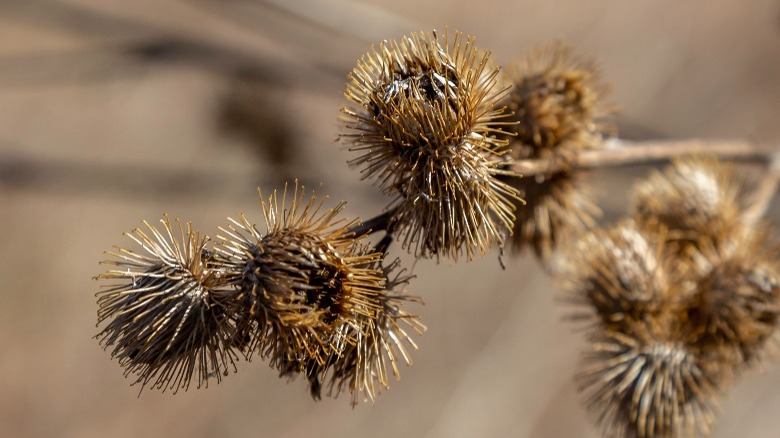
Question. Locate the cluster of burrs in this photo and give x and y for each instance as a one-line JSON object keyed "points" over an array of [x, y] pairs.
{"points": [[680, 299], [308, 294], [431, 119]]}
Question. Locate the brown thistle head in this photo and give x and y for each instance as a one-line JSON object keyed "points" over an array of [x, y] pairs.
{"points": [[694, 197], [643, 382], [557, 101], [299, 284], [617, 276], [423, 115], [733, 307], [164, 322]]}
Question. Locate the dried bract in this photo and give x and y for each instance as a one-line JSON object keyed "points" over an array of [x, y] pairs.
{"points": [[164, 323], [424, 117]]}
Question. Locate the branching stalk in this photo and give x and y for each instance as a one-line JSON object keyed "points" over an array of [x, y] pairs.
{"points": [[623, 152]]}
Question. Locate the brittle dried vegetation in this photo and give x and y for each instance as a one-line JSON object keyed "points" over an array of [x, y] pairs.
{"points": [[677, 300]]}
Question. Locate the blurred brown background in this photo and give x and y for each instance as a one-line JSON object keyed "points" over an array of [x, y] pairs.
{"points": [[114, 111]]}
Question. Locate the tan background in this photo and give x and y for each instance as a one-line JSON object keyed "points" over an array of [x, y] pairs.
{"points": [[114, 111]]}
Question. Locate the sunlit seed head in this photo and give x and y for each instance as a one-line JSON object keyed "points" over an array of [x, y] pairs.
{"points": [[299, 283], [424, 116], [163, 321]]}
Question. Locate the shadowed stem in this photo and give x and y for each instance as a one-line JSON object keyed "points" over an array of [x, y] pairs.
{"points": [[622, 152], [376, 224]]}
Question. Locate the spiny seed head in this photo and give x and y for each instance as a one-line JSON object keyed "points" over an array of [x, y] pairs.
{"points": [[693, 197], [423, 116], [164, 322], [734, 304], [557, 103], [299, 283], [618, 275], [557, 207], [643, 383]]}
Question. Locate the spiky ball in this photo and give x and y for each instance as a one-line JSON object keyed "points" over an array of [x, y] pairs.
{"points": [[617, 276], [557, 101], [644, 383], [694, 197], [164, 322], [423, 115], [299, 284]]}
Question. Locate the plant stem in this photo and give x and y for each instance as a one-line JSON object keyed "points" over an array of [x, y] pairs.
{"points": [[762, 196], [622, 152], [373, 225]]}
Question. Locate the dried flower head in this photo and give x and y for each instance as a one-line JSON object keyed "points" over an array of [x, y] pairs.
{"points": [[735, 303], [362, 368], [300, 283], [557, 208], [164, 323], [557, 101], [644, 383], [423, 115], [557, 104], [692, 198], [618, 275]]}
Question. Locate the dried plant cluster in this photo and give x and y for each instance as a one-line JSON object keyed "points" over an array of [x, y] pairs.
{"points": [[425, 120], [677, 300], [557, 104], [680, 299], [307, 294]]}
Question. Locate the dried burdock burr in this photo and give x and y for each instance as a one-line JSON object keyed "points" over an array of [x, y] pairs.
{"points": [[644, 383], [163, 321], [733, 307], [694, 197], [557, 99], [424, 116], [301, 284], [557, 105], [618, 275]]}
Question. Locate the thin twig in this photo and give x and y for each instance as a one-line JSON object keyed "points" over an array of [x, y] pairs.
{"points": [[622, 152], [762, 196]]}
